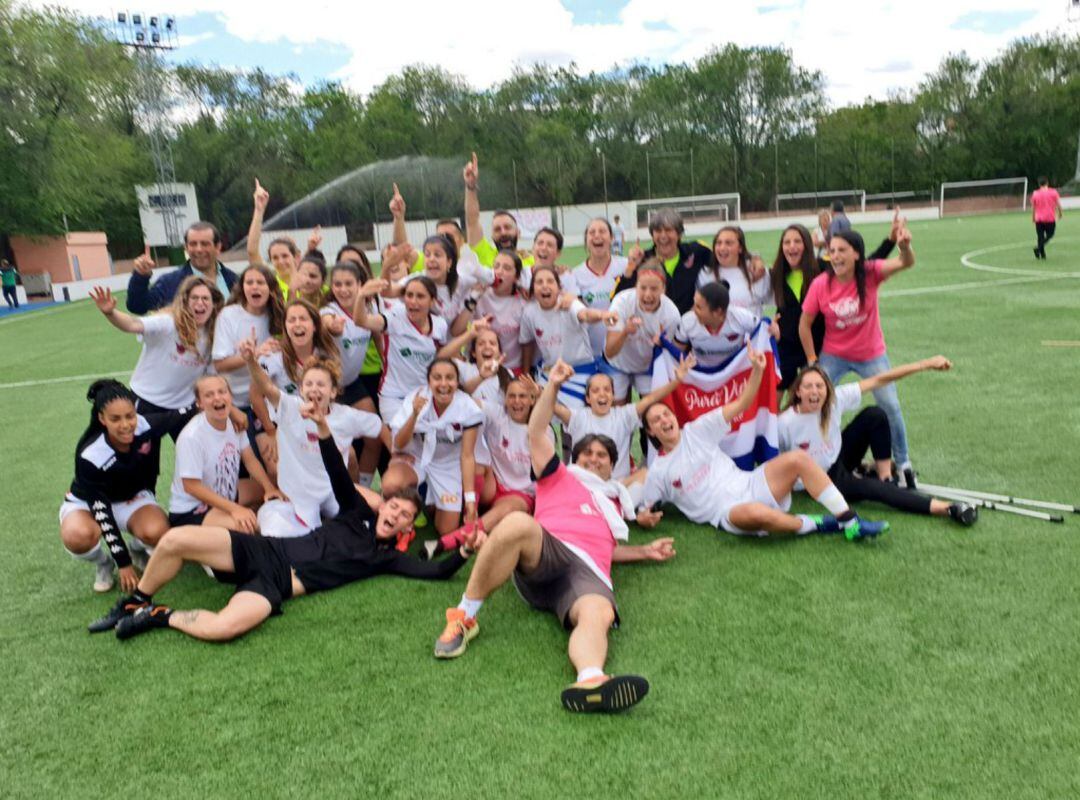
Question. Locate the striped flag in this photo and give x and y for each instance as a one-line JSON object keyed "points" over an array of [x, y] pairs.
{"points": [[753, 438]]}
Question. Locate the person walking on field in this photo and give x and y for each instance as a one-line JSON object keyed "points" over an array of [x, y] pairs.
{"points": [[10, 277], [1045, 212]]}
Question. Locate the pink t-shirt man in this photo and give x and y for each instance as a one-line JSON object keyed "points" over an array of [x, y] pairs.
{"points": [[852, 329], [566, 510], [1044, 204]]}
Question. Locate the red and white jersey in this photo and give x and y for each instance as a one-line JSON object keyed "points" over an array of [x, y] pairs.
{"points": [[803, 431], [437, 436], [557, 333], [352, 344], [206, 454], [167, 368], [301, 474], [409, 352], [637, 351], [594, 290], [273, 365], [508, 442], [751, 296], [712, 348], [697, 476], [505, 313], [618, 425], [234, 324]]}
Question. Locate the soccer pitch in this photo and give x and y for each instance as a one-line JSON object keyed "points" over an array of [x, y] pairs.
{"points": [[937, 661]]}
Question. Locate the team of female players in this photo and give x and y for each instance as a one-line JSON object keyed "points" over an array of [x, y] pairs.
{"points": [[427, 375]]}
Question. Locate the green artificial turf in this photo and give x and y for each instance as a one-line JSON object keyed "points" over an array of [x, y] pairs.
{"points": [[935, 662]]}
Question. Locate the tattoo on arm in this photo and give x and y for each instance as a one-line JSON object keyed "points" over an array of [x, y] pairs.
{"points": [[186, 617]]}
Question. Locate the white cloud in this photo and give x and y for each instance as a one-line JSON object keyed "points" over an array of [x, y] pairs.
{"points": [[862, 49]]}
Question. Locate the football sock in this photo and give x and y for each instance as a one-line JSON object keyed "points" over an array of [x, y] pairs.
{"points": [[809, 525], [141, 598], [470, 607], [365, 479], [834, 501], [589, 673]]}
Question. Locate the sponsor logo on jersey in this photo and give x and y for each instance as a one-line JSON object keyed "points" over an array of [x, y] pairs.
{"points": [[804, 445], [312, 437], [539, 334], [676, 484]]}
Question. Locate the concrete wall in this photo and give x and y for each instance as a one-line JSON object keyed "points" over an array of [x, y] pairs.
{"points": [[92, 252], [39, 255]]}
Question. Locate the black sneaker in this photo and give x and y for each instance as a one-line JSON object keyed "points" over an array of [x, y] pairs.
{"points": [[142, 620], [124, 607], [909, 477], [613, 694], [964, 513]]}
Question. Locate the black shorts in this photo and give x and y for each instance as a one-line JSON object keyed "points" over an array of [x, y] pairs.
{"points": [[372, 381], [186, 414], [259, 566], [354, 392], [559, 580], [194, 517]]}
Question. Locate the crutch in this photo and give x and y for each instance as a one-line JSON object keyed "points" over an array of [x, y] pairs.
{"points": [[955, 494], [1002, 498]]}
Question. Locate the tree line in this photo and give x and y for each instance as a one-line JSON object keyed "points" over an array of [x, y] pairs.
{"points": [[752, 120]]}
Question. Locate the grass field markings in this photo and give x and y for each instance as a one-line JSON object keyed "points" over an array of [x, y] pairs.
{"points": [[954, 287], [1059, 343], [968, 260], [66, 379]]}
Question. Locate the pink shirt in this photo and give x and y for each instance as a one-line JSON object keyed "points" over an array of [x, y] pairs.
{"points": [[1044, 203], [567, 511], [852, 331]]}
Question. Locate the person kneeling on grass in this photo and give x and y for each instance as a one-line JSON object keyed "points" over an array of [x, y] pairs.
{"points": [[560, 558], [358, 543], [704, 484], [207, 488], [811, 423]]}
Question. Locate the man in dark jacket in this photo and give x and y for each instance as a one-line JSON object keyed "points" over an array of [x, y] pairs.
{"points": [[683, 261], [202, 241]]}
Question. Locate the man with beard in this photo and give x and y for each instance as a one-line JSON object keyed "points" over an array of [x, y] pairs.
{"points": [[504, 228], [202, 242]]}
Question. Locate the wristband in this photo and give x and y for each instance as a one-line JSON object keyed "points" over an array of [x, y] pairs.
{"points": [[470, 497]]}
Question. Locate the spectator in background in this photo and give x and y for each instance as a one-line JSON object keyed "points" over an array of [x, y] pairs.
{"points": [[10, 278], [838, 223], [618, 236], [202, 241], [820, 235], [1045, 211]]}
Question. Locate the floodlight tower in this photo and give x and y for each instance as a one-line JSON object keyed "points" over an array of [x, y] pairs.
{"points": [[149, 36]]}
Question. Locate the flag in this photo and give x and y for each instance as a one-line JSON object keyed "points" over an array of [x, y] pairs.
{"points": [[572, 392], [753, 438]]}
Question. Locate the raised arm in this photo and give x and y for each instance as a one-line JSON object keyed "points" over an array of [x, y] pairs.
{"points": [[455, 347], [348, 499], [540, 419], [753, 383], [686, 363], [106, 304], [259, 378], [608, 317], [405, 433], [939, 363], [474, 231], [397, 213], [141, 296], [891, 266], [376, 323], [261, 198]]}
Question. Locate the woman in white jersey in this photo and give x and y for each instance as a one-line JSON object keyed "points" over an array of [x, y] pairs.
{"points": [[310, 496], [361, 361], [305, 336], [694, 473], [593, 281], [503, 304], [713, 330], [207, 488], [435, 434], [748, 285], [511, 486], [255, 303], [414, 334], [453, 291], [811, 422], [554, 332], [176, 345], [600, 415], [645, 313]]}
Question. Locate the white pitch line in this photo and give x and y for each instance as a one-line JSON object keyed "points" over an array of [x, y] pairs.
{"points": [[954, 287], [69, 378]]}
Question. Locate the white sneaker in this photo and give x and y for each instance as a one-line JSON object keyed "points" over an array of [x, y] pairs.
{"points": [[104, 580]]}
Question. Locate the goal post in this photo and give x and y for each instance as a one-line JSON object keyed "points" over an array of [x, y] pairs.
{"points": [[810, 202], [983, 197], [694, 208]]}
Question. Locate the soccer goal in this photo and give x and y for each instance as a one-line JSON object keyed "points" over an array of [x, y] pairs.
{"points": [[696, 208], [810, 202], [983, 197], [909, 199]]}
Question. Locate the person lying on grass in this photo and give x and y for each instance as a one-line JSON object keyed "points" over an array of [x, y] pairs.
{"points": [[356, 544], [560, 558], [703, 482]]}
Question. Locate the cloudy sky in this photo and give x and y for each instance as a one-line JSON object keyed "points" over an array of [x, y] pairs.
{"points": [[862, 48]]}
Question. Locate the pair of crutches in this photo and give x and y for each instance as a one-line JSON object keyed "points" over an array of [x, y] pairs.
{"points": [[1036, 509]]}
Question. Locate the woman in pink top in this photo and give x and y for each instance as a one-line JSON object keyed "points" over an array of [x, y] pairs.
{"points": [[1045, 212], [846, 294]]}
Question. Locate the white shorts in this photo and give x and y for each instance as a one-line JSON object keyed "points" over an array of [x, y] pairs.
{"points": [[754, 490], [121, 512], [443, 486], [388, 407], [642, 382], [282, 520]]}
